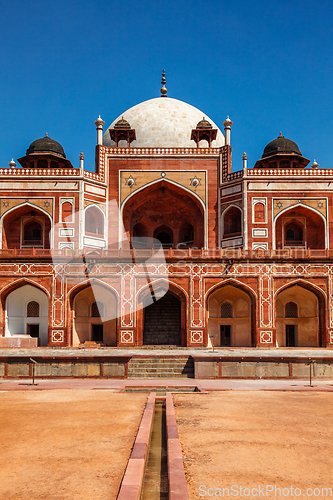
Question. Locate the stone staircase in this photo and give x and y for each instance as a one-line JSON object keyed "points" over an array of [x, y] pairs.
{"points": [[161, 367]]}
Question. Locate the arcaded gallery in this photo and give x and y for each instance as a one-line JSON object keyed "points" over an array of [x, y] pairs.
{"points": [[164, 243]]}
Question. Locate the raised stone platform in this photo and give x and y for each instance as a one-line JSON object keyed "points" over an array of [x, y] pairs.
{"points": [[223, 363]]}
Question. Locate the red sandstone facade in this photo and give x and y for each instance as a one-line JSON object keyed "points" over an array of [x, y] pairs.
{"points": [[247, 256]]}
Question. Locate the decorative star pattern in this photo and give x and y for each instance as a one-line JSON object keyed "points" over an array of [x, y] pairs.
{"points": [[195, 182], [132, 181]]}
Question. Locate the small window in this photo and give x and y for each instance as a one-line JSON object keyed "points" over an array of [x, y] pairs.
{"points": [[291, 310], [259, 212], [97, 309], [226, 310], [33, 309]]}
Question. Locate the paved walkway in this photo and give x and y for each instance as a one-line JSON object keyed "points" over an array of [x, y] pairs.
{"points": [[68, 352], [206, 385]]}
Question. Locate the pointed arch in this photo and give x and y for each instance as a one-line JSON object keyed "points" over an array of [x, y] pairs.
{"points": [[163, 181], [85, 284], [94, 221], [146, 297], [321, 296], [13, 222], [14, 285], [232, 224], [160, 202], [26, 203], [284, 212], [249, 335], [93, 307]]}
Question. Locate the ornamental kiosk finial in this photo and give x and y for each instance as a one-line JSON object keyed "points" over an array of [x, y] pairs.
{"points": [[163, 82]]}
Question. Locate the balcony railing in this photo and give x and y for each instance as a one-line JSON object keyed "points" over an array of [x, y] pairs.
{"points": [[168, 253]]}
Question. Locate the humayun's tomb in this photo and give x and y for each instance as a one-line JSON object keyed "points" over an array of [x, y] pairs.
{"points": [[163, 244]]}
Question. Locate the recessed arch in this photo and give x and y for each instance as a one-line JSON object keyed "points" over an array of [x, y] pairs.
{"points": [[94, 221], [232, 221], [311, 216], [28, 204], [155, 301], [15, 219], [94, 309], [237, 329], [163, 181], [26, 311], [86, 283], [309, 327], [17, 284], [164, 203]]}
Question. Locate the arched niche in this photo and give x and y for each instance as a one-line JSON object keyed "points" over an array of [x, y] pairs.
{"points": [[26, 227], [259, 212], [165, 204], [67, 211], [300, 227], [231, 316], [232, 222], [19, 317], [94, 310], [94, 222], [303, 328]]}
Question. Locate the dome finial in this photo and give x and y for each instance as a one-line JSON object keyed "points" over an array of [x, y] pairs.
{"points": [[46, 134], [163, 82], [281, 134]]}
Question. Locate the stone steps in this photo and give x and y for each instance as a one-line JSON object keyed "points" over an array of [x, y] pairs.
{"points": [[161, 368]]}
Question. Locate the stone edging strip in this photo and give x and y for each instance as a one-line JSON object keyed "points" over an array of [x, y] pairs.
{"points": [[130, 488], [177, 480]]}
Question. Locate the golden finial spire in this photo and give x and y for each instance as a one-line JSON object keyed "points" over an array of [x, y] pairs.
{"points": [[163, 82]]}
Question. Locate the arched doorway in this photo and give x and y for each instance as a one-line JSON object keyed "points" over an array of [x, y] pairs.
{"points": [[300, 317], [231, 316], [162, 321], [27, 313], [94, 315]]}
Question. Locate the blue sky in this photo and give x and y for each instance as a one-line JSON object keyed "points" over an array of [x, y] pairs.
{"points": [[266, 64]]}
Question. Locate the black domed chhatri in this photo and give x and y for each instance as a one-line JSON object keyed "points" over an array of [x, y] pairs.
{"points": [[281, 145], [204, 124], [46, 145], [122, 123]]}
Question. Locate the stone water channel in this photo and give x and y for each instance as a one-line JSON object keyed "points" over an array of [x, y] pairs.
{"points": [[162, 476]]}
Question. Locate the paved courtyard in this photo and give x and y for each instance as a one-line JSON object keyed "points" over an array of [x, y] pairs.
{"points": [[66, 444], [251, 439]]}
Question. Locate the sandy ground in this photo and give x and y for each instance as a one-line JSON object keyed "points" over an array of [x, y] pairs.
{"points": [[66, 444], [256, 438]]}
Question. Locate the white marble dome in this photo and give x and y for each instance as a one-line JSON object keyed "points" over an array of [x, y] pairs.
{"points": [[163, 122]]}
